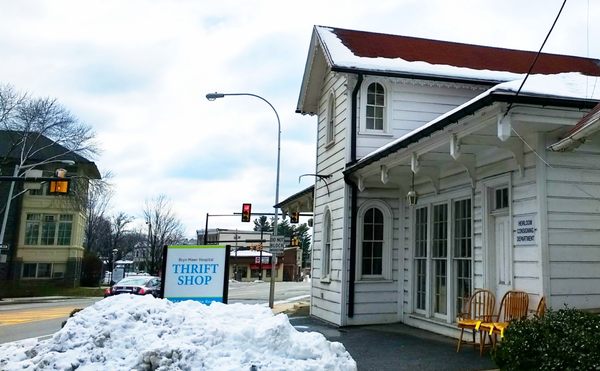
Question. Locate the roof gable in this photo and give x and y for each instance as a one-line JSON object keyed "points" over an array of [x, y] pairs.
{"points": [[342, 50]]}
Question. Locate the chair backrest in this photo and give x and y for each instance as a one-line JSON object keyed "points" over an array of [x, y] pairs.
{"points": [[514, 305], [541, 308], [480, 305]]}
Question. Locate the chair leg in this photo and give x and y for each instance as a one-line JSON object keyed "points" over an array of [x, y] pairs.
{"points": [[462, 330], [474, 343]]}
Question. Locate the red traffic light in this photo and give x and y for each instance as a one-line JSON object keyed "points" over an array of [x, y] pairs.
{"points": [[246, 212]]}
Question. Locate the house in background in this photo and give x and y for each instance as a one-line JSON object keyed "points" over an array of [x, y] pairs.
{"points": [[502, 180], [45, 232]]}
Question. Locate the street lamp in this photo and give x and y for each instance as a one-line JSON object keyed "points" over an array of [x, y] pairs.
{"points": [[16, 172], [211, 97]]}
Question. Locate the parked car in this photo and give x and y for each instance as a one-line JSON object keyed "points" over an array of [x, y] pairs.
{"points": [[138, 285]]}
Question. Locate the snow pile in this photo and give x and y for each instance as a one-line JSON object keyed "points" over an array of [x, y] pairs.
{"points": [[128, 332]]}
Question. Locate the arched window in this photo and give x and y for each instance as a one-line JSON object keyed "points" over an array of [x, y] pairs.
{"points": [[330, 133], [375, 241], [326, 258], [375, 113], [372, 243]]}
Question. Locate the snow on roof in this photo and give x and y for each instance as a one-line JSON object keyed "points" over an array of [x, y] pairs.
{"points": [[410, 55], [564, 85], [127, 332]]}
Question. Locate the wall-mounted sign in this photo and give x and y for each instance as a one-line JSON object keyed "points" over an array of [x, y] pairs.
{"points": [[525, 231], [197, 273]]}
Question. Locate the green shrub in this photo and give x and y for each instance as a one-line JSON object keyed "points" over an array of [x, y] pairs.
{"points": [[566, 339]]}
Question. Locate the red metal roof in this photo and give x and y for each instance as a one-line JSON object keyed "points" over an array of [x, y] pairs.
{"points": [[373, 45]]}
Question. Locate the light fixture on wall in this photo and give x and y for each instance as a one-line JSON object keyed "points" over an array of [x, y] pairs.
{"points": [[411, 196]]}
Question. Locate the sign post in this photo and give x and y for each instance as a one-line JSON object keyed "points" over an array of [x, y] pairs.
{"points": [[192, 272]]}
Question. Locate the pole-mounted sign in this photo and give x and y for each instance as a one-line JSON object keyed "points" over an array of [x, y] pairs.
{"points": [[192, 272]]}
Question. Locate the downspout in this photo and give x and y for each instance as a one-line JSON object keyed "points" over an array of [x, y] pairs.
{"points": [[354, 197]]}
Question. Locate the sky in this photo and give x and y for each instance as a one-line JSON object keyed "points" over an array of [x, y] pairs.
{"points": [[127, 332], [137, 71]]}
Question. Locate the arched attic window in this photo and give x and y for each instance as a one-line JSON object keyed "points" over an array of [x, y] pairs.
{"points": [[330, 129], [375, 109]]}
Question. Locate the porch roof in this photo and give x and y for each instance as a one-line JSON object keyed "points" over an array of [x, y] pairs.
{"points": [[301, 201]]}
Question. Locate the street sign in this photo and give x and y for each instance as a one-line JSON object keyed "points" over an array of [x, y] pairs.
{"points": [[277, 245]]}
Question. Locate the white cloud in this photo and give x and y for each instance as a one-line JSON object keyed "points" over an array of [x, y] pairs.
{"points": [[138, 70]]}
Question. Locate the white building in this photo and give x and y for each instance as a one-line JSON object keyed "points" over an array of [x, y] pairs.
{"points": [[499, 206]]}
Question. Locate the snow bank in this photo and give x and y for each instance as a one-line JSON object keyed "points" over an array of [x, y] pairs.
{"points": [[128, 332]]}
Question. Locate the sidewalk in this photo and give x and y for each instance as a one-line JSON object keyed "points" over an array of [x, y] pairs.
{"points": [[394, 346]]}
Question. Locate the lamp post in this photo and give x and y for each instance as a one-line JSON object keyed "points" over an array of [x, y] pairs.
{"points": [[212, 97], [16, 172]]}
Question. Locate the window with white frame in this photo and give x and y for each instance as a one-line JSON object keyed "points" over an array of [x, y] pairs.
{"points": [[442, 260], [326, 262], [463, 251], [372, 243], [48, 229], [375, 109], [421, 258], [375, 241], [330, 131]]}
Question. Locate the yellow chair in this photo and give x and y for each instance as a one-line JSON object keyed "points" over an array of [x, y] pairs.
{"points": [[541, 308], [514, 305], [478, 308]]}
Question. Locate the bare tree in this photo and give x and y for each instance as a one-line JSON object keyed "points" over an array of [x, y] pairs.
{"points": [[41, 130], [164, 228], [118, 228], [96, 203]]}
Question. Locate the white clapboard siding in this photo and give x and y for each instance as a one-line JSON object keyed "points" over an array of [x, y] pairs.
{"points": [[331, 158], [413, 104], [573, 186]]}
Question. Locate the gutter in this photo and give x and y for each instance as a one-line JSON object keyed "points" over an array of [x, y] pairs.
{"points": [[418, 76], [354, 196], [587, 126]]}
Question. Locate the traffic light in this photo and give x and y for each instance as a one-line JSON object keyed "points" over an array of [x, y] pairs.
{"points": [[294, 217], [295, 240], [246, 212], [59, 186]]}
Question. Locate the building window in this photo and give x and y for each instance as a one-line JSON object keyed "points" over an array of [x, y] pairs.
{"points": [[420, 258], [439, 255], [37, 270], [372, 243], [330, 133], [374, 235], [462, 251], [436, 251], [48, 229], [326, 262], [500, 199], [65, 226], [375, 106]]}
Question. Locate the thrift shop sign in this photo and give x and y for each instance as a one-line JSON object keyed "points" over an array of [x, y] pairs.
{"points": [[197, 273]]}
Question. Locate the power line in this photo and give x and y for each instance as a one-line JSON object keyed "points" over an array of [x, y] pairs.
{"points": [[537, 56]]}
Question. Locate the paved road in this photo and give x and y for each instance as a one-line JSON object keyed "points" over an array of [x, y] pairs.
{"points": [[27, 318]]}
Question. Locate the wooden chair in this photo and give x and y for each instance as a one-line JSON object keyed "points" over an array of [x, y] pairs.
{"points": [[541, 308], [514, 305], [478, 308]]}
